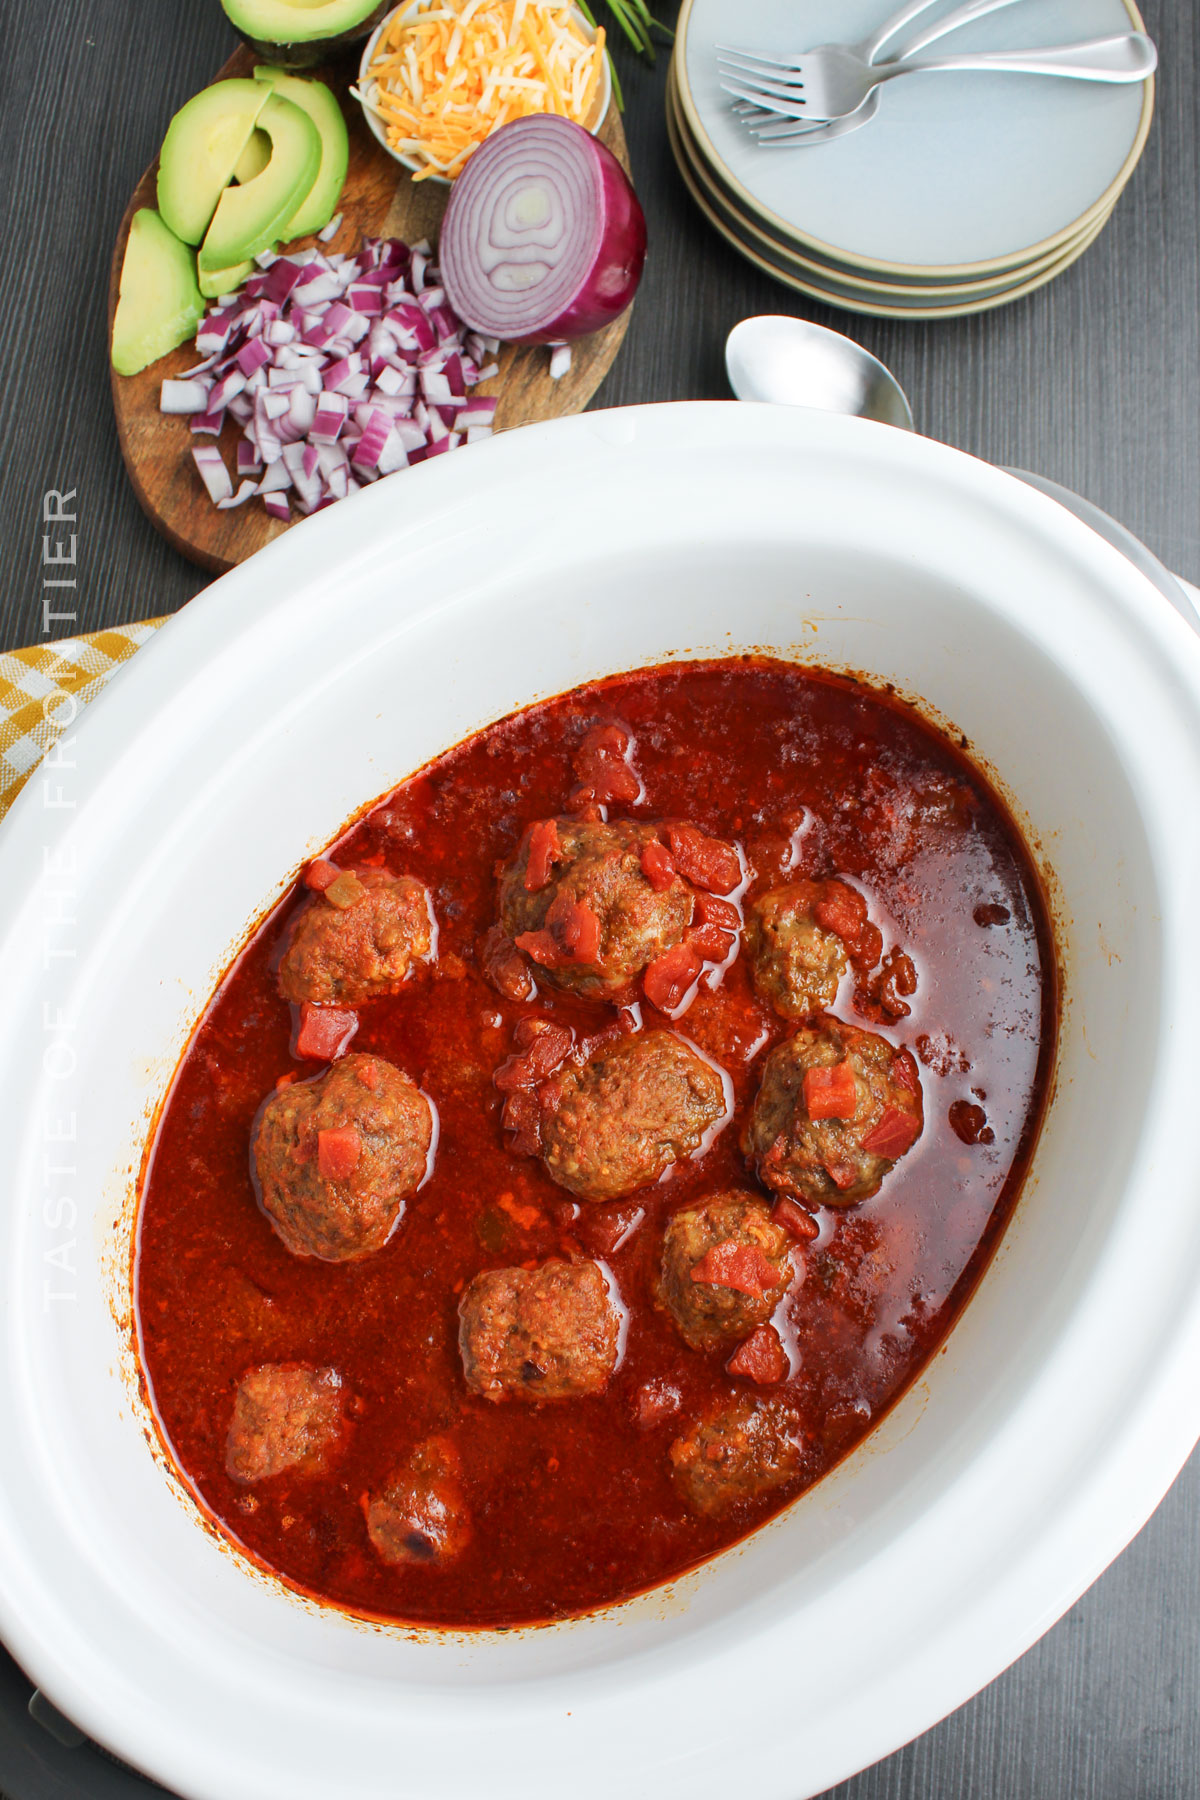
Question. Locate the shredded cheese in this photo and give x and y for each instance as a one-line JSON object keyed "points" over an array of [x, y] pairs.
{"points": [[447, 73]]}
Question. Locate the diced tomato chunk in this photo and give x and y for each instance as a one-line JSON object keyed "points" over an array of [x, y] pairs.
{"points": [[320, 874], [794, 1219], [603, 770], [895, 1133], [704, 860], [545, 849], [742, 1267], [656, 1401], [522, 1118], [710, 941], [842, 910], [669, 976], [338, 1151], [842, 1174], [543, 1047], [761, 1357], [831, 1093], [505, 967], [324, 1031], [657, 866], [903, 1071], [709, 910], [580, 929], [544, 948]]}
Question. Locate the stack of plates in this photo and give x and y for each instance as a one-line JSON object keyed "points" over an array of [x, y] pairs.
{"points": [[964, 192]]}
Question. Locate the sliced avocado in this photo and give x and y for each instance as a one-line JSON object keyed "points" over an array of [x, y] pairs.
{"points": [[215, 282], [320, 203], [200, 152], [160, 305], [254, 157], [294, 34], [250, 218]]}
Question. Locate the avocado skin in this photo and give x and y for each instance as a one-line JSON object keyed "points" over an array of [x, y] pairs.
{"points": [[160, 304], [302, 51]]}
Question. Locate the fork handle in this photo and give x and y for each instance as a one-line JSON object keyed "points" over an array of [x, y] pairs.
{"points": [[962, 15], [870, 50], [1129, 57]]}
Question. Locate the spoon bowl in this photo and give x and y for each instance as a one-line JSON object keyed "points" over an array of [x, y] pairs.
{"points": [[785, 361]]}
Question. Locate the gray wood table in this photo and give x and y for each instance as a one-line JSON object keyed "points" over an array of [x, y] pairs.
{"points": [[1092, 381]]}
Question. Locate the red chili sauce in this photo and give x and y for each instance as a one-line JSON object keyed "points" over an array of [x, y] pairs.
{"points": [[574, 1503]]}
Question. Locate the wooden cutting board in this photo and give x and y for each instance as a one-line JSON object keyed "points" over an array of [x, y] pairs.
{"points": [[380, 199]]}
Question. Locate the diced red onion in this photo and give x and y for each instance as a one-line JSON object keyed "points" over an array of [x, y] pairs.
{"points": [[184, 397], [339, 370], [277, 478], [331, 230], [543, 237], [213, 473], [245, 492]]}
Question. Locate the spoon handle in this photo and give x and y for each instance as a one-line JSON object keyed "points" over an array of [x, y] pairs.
{"points": [[1129, 57]]}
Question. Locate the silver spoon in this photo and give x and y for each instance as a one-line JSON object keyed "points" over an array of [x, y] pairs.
{"points": [[784, 361]]}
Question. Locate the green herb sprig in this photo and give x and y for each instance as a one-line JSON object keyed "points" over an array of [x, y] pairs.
{"points": [[638, 24]]}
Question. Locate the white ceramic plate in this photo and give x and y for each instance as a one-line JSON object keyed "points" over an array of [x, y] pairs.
{"points": [[877, 300], [310, 680], [956, 170]]}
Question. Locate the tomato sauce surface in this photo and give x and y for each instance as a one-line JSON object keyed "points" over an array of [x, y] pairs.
{"points": [[573, 1503]]}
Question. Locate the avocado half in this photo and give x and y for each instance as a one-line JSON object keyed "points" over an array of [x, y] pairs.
{"points": [[294, 34]]}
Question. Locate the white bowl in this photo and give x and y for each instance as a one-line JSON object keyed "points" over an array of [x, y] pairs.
{"points": [[312, 679], [375, 125]]}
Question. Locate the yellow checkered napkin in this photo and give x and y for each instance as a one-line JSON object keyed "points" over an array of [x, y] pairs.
{"points": [[34, 683]]}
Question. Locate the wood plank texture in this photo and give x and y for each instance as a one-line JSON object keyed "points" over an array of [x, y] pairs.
{"points": [[1093, 381], [379, 200]]}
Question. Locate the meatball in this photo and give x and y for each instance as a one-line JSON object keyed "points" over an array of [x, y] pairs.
{"points": [[797, 958], [632, 1110], [420, 1514], [285, 1416], [358, 939], [836, 1109], [738, 1453], [580, 903], [724, 1269], [539, 1334], [337, 1157]]}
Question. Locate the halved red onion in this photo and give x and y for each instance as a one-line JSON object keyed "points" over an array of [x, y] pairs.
{"points": [[543, 238]]}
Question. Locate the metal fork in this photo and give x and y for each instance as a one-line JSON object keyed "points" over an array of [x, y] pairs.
{"points": [[869, 49], [833, 82]]}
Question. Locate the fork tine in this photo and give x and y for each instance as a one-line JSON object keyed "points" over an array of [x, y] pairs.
{"points": [[783, 131], [778, 90], [759, 56], [768, 71], [791, 107]]}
